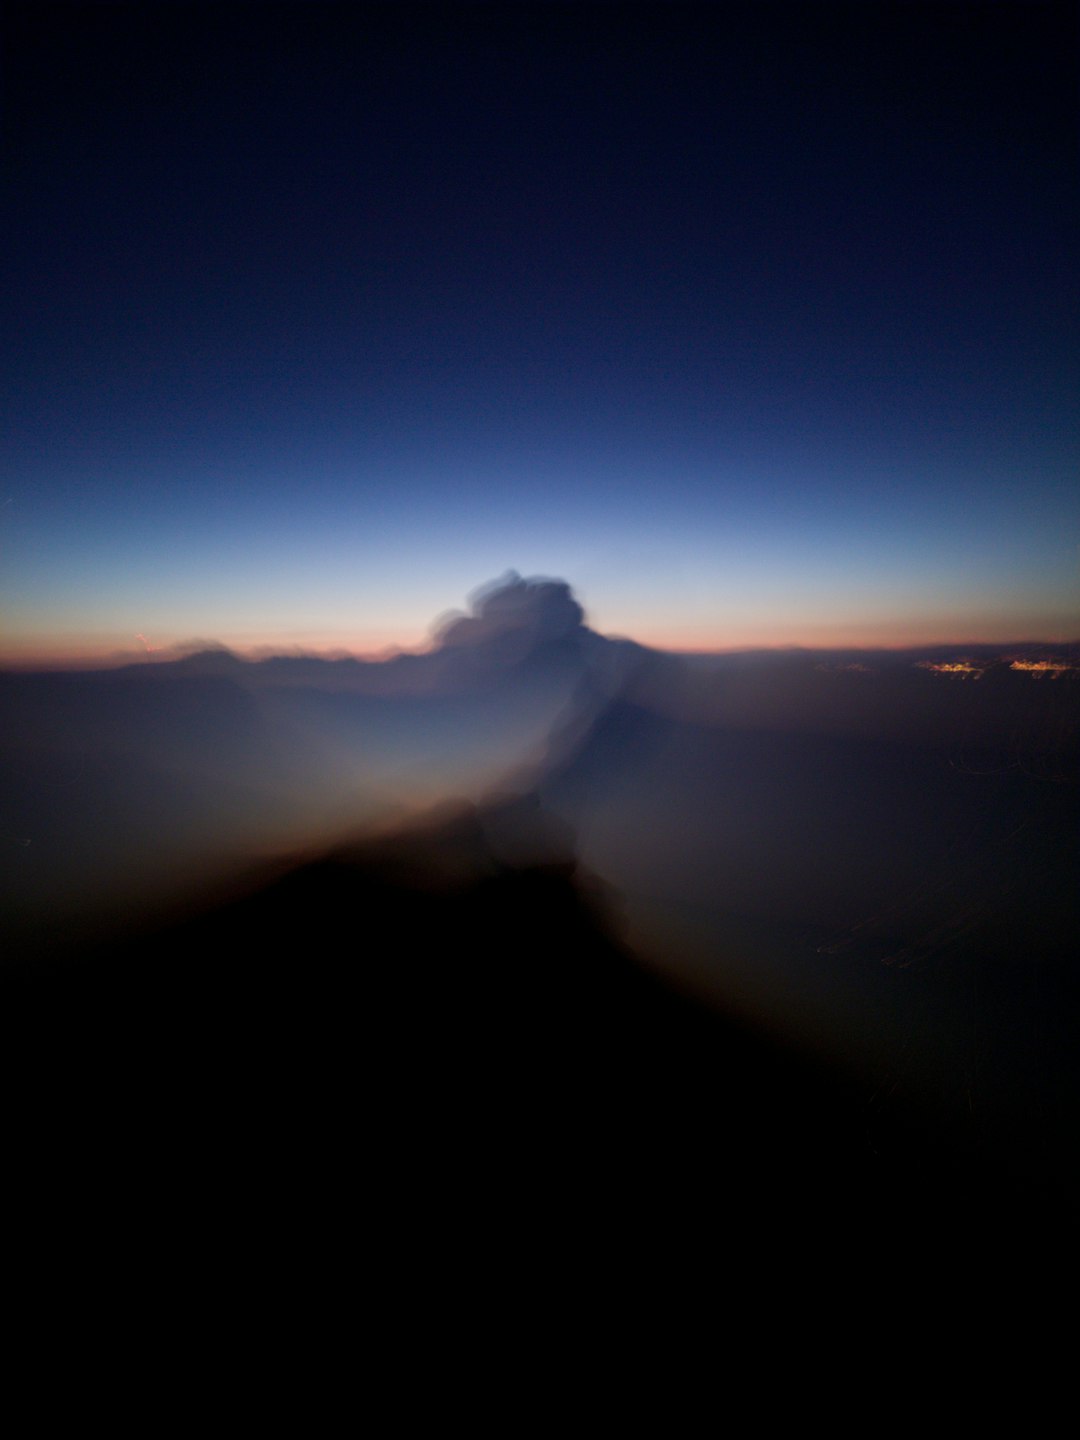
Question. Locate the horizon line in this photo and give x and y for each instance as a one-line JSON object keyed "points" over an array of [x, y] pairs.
{"points": [[259, 654]]}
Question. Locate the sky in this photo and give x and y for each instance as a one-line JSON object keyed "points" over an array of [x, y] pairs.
{"points": [[758, 325]]}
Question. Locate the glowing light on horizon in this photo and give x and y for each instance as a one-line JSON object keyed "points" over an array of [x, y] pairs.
{"points": [[964, 669], [972, 670], [1038, 668]]}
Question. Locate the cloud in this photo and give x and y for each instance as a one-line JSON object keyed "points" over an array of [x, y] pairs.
{"points": [[533, 611]]}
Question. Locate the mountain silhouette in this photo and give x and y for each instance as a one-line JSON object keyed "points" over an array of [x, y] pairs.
{"points": [[426, 1065], [449, 1006]]}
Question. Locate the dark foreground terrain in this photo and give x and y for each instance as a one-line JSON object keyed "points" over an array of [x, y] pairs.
{"points": [[435, 1040], [416, 1021], [409, 1120]]}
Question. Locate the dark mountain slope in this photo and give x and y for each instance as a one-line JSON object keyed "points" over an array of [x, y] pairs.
{"points": [[423, 1074], [425, 1008]]}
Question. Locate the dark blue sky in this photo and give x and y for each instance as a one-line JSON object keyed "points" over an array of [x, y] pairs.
{"points": [[759, 326]]}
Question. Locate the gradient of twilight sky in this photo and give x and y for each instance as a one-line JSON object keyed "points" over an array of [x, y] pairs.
{"points": [[758, 325]]}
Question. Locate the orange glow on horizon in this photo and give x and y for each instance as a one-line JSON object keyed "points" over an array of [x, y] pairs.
{"points": [[1038, 668], [962, 669], [86, 650]]}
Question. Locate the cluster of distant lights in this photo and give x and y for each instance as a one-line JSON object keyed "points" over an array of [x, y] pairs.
{"points": [[973, 670], [964, 669]]}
